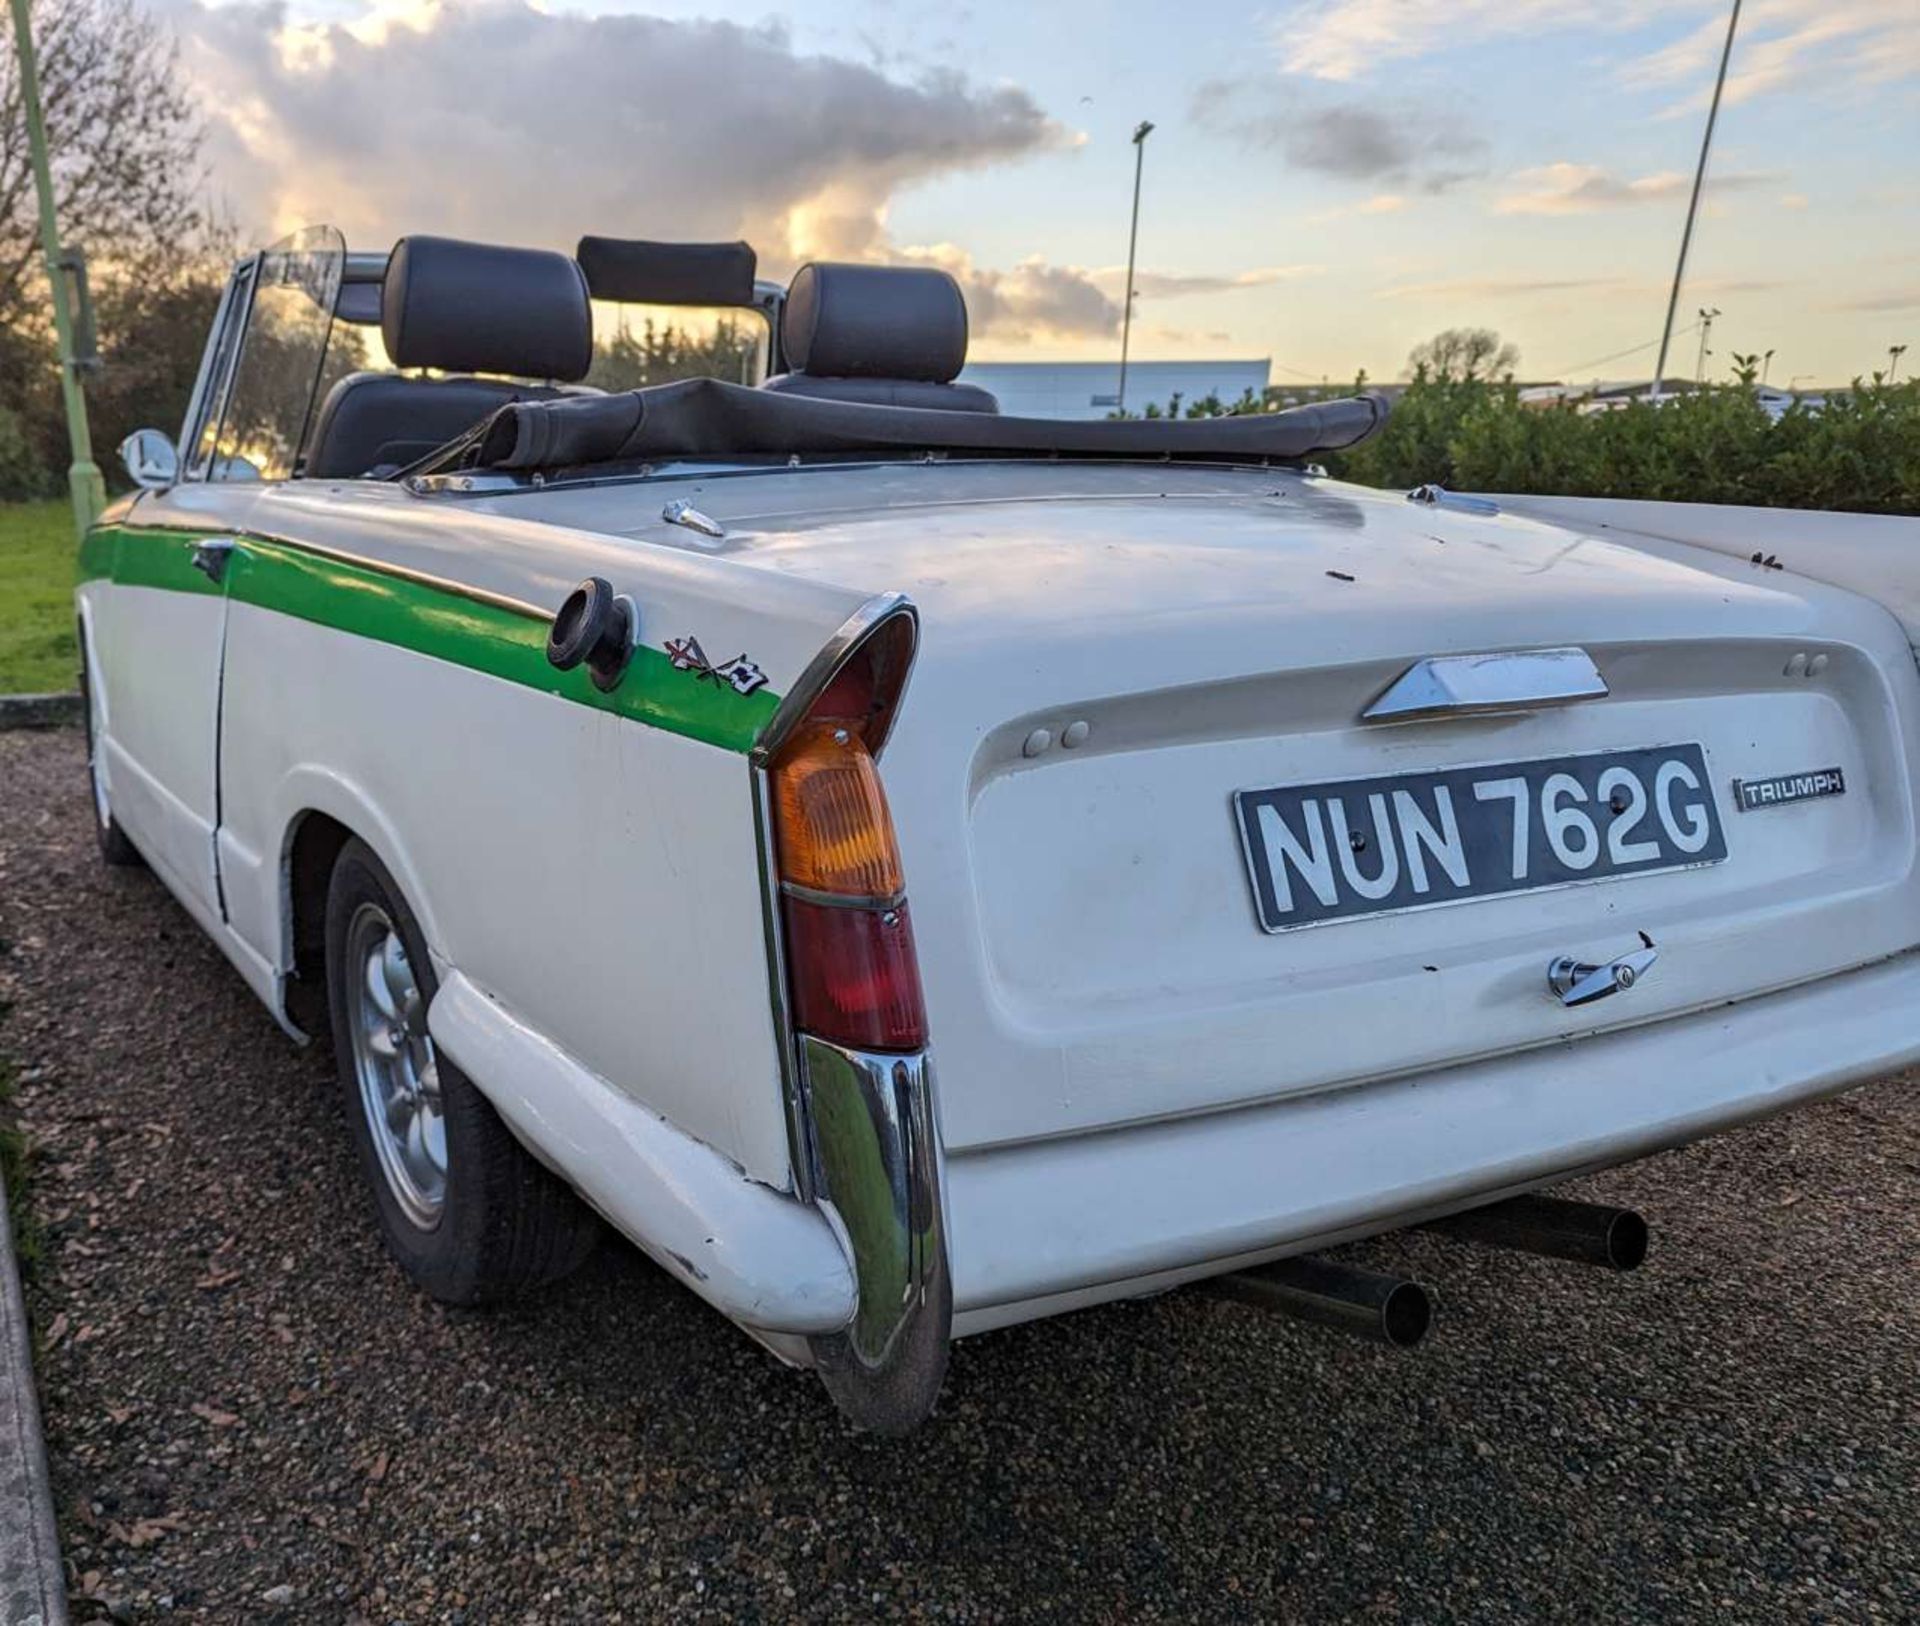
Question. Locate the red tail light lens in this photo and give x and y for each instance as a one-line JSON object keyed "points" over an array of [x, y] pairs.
{"points": [[856, 980], [851, 968]]}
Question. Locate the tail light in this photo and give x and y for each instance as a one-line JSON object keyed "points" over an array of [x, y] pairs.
{"points": [[852, 973]]}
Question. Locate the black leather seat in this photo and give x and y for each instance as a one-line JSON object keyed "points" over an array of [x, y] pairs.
{"points": [[462, 308], [880, 335]]}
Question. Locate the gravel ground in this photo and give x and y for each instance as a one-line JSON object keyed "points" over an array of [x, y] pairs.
{"points": [[252, 1416]]}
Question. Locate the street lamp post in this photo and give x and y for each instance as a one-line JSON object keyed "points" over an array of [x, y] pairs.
{"points": [[83, 475], [1706, 332], [1894, 353], [1693, 203], [1140, 134]]}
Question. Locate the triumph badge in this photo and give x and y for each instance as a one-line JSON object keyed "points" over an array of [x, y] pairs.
{"points": [[1750, 795]]}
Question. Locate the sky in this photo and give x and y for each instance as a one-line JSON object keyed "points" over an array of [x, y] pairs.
{"points": [[1327, 182]]}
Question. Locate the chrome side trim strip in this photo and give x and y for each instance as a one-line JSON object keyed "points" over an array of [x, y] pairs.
{"points": [[1504, 680], [421, 578], [821, 670], [841, 900], [377, 567], [799, 1143]]}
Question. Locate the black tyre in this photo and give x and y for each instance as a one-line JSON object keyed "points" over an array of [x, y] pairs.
{"points": [[463, 1207], [115, 849]]}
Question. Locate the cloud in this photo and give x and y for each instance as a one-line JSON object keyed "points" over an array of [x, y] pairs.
{"points": [[1037, 299], [1576, 189], [1345, 140], [1855, 41], [1345, 39], [1866, 42], [1381, 203], [1033, 300], [1495, 287], [490, 119], [1172, 285], [1721, 286], [1893, 299], [1184, 338]]}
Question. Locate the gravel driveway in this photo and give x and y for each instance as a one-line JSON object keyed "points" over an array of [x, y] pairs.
{"points": [[252, 1416]]}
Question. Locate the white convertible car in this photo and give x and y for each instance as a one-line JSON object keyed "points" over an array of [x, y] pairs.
{"points": [[912, 869]]}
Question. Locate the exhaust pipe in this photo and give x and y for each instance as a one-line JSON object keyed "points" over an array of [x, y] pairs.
{"points": [[1586, 1233], [1387, 1309]]}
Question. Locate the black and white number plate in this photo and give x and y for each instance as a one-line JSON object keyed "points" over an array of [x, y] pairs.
{"points": [[1406, 841]]}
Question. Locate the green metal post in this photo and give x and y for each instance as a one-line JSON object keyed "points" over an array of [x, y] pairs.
{"points": [[83, 476]]}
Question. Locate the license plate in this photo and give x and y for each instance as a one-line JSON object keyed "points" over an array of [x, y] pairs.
{"points": [[1410, 841]]}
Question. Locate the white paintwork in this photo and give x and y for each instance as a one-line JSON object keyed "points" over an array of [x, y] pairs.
{"points": [[1135, 1083], [1087, 941], [1871, 554], [1142, 1209], [581, 868], [159, 655], [766, 1260]]}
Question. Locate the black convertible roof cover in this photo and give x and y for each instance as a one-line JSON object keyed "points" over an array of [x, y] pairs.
{"points": [[705, 418]]}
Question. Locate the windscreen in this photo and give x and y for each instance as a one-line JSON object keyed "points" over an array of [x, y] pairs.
{"points": [[270, 404]]}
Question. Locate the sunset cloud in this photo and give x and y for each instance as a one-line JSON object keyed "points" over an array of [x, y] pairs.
{"points": [[1578, 189], [620, 125]]}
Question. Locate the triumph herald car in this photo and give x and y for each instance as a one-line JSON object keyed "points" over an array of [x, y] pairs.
{"points": [[912, 869]]}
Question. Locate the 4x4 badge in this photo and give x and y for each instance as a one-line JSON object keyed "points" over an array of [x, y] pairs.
{"points": [[742, 674]]}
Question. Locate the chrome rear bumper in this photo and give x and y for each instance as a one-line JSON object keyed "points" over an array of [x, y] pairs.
{"points": [[1048, 1226]]}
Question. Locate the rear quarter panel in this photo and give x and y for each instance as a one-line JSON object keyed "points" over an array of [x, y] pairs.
{"points": [[594, 873]]}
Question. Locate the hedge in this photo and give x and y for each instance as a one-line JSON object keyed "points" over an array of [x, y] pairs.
{"points": [[1859, 451]]}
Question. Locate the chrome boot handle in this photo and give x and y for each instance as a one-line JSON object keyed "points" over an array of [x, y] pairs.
{"points": [[1576, 983]]}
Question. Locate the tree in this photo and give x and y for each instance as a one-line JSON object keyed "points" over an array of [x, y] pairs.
{"points": [[1464, 353], [662, 354], [123, 139], [124, 145]]}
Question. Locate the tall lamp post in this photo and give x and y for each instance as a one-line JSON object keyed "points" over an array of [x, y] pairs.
{"points": [[1894, 353], [1706, 332], [1141, 131], [83, 475], [1693, 203]]}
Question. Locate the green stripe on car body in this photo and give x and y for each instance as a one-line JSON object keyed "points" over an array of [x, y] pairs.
{"points": [[440, 621]]}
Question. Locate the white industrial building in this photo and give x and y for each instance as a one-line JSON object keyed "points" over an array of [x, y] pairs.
{"points": [[1091, 389]]}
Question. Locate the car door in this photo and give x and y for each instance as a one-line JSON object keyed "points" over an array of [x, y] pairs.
{"points": [[156, 625]]}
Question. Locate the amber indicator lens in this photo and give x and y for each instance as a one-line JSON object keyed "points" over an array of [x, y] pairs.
{"points": [[830, 817]]}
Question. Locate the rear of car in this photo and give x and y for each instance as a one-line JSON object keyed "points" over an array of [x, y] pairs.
{"points": [[1220, 967]]}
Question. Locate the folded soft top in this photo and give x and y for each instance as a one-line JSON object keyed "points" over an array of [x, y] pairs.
{"points": [[705, 418]]}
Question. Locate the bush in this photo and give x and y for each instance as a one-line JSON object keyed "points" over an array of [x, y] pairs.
{"points": [[22, 475], [1859, 452]]}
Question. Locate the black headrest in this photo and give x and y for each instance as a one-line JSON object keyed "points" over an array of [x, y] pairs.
{"points": [[875, 321], [473, 308], [637, 273]]}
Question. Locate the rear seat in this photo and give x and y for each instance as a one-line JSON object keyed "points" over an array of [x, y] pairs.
{"points": [[460, 308], [880, 335]]}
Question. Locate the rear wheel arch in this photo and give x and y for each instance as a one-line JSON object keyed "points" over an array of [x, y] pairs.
{"points": [[314, 842], [318, 812]]}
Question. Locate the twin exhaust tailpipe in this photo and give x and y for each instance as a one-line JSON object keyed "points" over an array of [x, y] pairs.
{"points": [[1392, 1310]]}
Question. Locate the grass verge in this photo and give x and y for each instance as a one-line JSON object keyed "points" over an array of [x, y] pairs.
{"points": [[37, 653]]}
